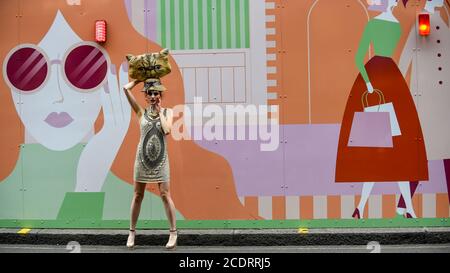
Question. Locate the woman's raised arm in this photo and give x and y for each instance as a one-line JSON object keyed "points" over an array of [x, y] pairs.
{"points": [[136, 107]]}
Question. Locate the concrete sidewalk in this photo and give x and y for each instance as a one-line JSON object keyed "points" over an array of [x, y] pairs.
{"points": [[233, 237]]}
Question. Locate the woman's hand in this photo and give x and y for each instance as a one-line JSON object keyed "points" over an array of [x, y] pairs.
{"points": [[130, 85], [158, 106], [166, 120]]}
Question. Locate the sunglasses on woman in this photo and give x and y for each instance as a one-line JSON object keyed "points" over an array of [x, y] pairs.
{"points": [[153, 93], [84, 67]]}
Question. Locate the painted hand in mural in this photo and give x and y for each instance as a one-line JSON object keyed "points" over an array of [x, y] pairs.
{"points": [[370, 87], [99, 154]]}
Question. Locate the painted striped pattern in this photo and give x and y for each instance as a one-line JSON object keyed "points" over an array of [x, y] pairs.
{"points": [[203, 24], [218, 77], [272, 42], [342, 207]]}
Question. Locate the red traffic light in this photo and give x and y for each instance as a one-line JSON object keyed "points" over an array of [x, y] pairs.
{"points": [[100, 31], [424, 24]]}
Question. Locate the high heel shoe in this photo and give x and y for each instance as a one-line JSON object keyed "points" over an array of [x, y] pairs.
{"points": [[131, 237], [356, 214], [410, 216], [173, 239]]}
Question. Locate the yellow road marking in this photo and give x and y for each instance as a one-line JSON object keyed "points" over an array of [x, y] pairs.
{"points": [[303, 230], [24, 231]]}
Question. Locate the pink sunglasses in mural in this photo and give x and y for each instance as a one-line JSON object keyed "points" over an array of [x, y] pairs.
{"points": [[85, 66]]}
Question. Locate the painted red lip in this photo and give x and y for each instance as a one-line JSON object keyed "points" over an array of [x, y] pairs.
{"points": [[60, 120]]}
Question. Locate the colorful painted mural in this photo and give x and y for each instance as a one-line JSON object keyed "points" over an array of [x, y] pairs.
{"points": [[292, 113]]}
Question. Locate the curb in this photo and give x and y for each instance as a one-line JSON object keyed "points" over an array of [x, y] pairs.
{"points": [[232, 237]]}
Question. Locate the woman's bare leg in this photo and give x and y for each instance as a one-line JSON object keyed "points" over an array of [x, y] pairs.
{"points": [[168, 204], [170, 212], [139, 191]]}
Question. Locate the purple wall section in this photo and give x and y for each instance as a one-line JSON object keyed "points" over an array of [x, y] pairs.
{"points": [[150, 20], [306, 163], [128, 6], [255, 172], [447, 174]]}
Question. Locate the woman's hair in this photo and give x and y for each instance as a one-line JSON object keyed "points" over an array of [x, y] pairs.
{"points": [[381, 5], [31, 26]]}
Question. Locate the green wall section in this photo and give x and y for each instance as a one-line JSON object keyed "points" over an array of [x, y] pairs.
{"points": [[203, 24], [37, 186], [82, 206], [272, 224], [41, 187]]}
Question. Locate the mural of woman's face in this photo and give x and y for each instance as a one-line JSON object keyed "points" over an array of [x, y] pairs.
{"points": [[56, 85]]}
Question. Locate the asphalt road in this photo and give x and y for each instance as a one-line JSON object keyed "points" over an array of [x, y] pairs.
{"points": [[75, 248]]}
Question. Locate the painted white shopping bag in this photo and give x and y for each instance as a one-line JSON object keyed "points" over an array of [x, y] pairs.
{"points": [[384, 107]]}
